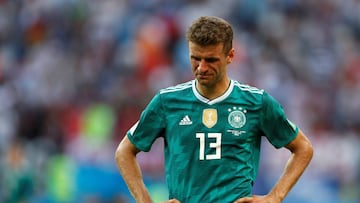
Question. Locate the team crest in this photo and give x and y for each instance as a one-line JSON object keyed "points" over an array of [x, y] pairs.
{"points": [[209, 117], [237, 118]]}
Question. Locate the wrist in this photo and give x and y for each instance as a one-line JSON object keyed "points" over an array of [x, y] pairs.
{"points": [[276, 196]]}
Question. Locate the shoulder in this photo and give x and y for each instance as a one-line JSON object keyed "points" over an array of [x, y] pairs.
{"points": [[179, 88], [174, 96], [247, 94], [248, 89]]}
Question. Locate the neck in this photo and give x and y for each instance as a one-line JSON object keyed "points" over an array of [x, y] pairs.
{"points": [[213, 91]]}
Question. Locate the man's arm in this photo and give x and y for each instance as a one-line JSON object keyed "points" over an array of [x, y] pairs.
{"points": [[125, 156], [301, 155], [302, 152]]}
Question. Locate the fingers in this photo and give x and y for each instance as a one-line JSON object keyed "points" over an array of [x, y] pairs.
{"points": [[244, 200], [172, 201]]}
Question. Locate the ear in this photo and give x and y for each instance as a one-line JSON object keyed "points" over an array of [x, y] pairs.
{"points": [[230, 56]]}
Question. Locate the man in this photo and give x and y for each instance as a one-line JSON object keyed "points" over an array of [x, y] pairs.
{"points": [[212, 128]]}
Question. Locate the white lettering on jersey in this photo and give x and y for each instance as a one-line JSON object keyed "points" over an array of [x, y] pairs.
{"points": [[215, 145]]}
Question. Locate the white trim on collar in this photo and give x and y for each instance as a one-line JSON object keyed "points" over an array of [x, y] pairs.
{"points": [[212, 101]]}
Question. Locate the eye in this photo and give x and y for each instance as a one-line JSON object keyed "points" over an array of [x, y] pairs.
{"points": [[195, 58], [211, 60]]}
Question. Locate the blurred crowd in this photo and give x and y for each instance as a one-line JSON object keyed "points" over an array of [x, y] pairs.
{"points": [[76, 74]]}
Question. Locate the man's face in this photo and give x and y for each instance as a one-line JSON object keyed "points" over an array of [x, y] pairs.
{"points": [[209, 63]]}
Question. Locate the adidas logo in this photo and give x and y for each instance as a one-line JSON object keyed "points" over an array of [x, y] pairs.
{"points": [[185, 121]]}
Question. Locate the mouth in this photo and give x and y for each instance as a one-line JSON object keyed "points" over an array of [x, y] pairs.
{"points": [[203, 76]]}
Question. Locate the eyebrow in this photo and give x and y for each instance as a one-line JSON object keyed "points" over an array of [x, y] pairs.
{"points": [[207, 59]]}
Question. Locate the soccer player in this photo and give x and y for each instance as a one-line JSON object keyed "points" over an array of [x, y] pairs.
{"points": [[212, 128]]}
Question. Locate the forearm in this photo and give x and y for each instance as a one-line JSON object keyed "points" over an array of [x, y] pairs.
{"points": [[131, 173], [295, 167]]}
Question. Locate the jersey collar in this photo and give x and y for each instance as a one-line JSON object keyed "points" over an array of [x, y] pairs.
{"points": [[212, 101]]}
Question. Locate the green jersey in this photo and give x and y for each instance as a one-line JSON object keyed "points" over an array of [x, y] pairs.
{"points": [[211, 147]]}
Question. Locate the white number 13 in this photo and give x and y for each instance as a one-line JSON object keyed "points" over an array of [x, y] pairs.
{"points": [[216, 145]]}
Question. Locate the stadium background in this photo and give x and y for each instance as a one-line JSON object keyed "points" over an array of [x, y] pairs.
{"points": [[75, 75]]}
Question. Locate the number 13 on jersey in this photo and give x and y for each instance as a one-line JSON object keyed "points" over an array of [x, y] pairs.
{"points": [[211, 140]]}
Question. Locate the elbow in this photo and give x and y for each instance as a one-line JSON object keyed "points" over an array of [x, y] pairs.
{"points": [[125, 151], [310, 150], [302, 148], [307, 151], [118, 154]]}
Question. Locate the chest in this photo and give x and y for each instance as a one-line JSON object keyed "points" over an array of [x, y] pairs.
{"points": [[231, 124]]}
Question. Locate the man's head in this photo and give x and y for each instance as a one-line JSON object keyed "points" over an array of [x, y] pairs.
{"points": [[210, 50], [210, 30]]}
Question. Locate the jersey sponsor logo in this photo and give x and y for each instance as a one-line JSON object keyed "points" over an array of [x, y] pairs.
{"points": [[237, 118], [185, 121], [209, 117]]}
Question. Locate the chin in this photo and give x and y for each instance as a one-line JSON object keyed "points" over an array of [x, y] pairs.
{"points": [[205, 82]]}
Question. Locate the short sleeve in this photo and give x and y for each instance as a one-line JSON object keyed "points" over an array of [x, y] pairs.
{"points": [[150, 126], [274, 123]]}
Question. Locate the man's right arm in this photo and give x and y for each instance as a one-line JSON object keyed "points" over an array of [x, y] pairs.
{"points": [[125, 157]]}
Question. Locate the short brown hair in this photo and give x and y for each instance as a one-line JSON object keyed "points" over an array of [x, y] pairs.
{"points": [[211, 30]]}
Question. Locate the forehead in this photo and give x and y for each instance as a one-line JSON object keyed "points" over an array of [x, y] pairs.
{"points": [[208, 50]]}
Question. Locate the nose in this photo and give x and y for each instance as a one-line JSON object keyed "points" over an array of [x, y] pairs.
{"points": [[202, 66]]}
